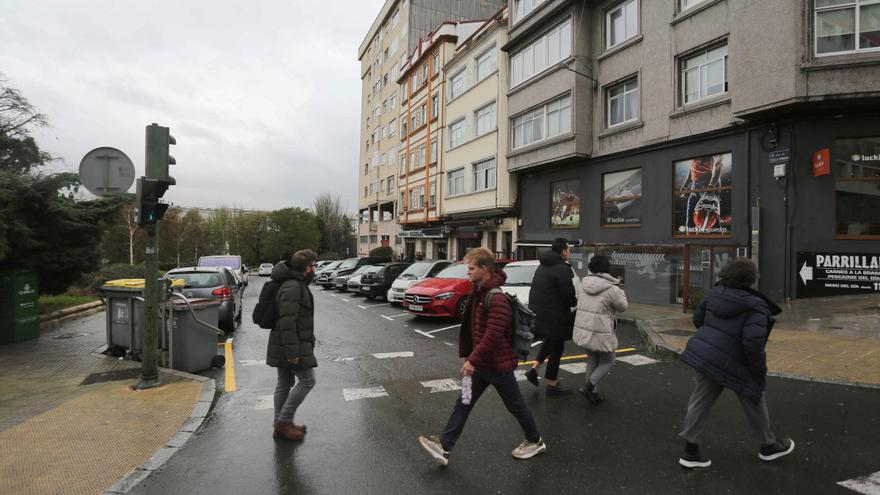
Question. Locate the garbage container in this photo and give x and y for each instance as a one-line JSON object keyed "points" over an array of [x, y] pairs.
{"points": [[125, 314], [19, 306], [193, 346]]}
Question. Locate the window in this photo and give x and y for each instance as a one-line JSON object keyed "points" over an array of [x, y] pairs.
{"points": [[432, 198], [543, 53], [435, 108], [435, 64], [392, 102], [395, 17], [856, 168], [486, 63], [456, 133], [402, 205], [621, 23], [390, 184], [485, 119], [421, 156], [424, 115], [484, 175], [402, 129], [364, 239], [374, 239], [404, 91], [456, 182], [385, 80], [417, 198], [542, 122], [622, 102], [392, 48], [365, 192], [522, 8], [457, 84], [433, 157], [366, 168], [704, 74], [847, 26], [402, 163], [686, 4], [392, 127], [384, 106]]}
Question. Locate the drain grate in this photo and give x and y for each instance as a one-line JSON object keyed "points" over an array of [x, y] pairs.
{"points": [[112, 376], [65, 336], [679, 332]]}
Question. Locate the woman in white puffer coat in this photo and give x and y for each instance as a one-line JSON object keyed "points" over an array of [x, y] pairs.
{"points": [[600, 298]]}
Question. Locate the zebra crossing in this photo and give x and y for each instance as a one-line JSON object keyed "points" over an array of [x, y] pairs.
{"points": [[441, 385]]}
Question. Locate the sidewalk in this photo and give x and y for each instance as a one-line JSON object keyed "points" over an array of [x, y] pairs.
{"points": [[70, 422], [833, 339]]}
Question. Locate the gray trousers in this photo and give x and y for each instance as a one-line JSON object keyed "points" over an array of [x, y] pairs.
{"points": [[705, 393], [598, 364], [288, 396]]}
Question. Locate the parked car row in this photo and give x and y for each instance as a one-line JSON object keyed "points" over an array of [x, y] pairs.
{"points": [[425, 288]]}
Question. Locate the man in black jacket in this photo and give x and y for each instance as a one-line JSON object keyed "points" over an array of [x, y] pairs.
{"points": [[291, 348], [551, 298]]}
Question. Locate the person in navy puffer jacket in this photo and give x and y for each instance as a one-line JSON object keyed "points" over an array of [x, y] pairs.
{"points": [[733, 323]]}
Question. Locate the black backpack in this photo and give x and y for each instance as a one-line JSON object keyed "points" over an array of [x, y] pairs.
{"points": [[266, 310], [522, 320]]}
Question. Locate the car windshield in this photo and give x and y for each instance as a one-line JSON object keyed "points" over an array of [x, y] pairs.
{"points": [[233, 262], [362, 270], [375, 269], [197, 280], [520, 274], [331, 266], [459, 270], [349, 263], [416, 270]]}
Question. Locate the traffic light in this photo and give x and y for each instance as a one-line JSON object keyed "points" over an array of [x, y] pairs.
{"points": [[158, 157], [149, 209]]}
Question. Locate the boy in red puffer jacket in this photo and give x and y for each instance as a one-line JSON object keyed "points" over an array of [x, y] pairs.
{"points": [[485, 343]]}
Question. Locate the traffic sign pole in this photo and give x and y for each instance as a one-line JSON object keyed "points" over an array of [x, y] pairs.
{"points": [[149, 356]]}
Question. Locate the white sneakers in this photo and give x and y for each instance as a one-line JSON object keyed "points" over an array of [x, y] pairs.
{"points": [[527, 449]]}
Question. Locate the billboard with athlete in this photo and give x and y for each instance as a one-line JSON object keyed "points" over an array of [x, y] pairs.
{"points": [[702, 196], [565, 204]]}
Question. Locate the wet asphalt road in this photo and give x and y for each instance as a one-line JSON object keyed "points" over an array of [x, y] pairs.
{"points": [[628, 444]]}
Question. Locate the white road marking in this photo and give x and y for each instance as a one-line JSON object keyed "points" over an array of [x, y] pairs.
{"points": [[444, 385], [251, 362], [450, 344], [362, 307], [537, 343], [387, 317], [376, 305], [390, 355], [346, 300], [866, 485], [424, 333], [264, 402], [520, 375], [574, 368], [444, 328], [343, 359], [390, 317], [637, 360], [351, 394]]}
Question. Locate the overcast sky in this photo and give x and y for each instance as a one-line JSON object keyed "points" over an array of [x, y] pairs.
{"points": [[262, 96]]}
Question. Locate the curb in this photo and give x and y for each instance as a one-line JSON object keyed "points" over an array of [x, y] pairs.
{"points": [[196, 419], [56, 319]]}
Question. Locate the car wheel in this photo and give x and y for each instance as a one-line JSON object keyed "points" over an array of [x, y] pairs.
{"points": [[227, 326], [459, 310], [218, 361], [369, 297]]}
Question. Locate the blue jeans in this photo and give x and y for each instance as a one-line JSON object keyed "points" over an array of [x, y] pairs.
{"points": [[508, 390]]}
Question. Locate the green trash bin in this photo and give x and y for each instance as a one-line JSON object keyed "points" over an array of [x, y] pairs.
{"points": [[19, 306]]}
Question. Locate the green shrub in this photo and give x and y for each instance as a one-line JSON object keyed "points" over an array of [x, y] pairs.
{"points": [[115, 272], [382, 252]]}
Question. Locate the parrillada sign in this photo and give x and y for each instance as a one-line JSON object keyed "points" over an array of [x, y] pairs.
{"points": [[831, 274]]}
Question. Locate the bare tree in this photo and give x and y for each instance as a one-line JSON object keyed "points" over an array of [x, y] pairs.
{"points": [[19, 152], [131, 228]]}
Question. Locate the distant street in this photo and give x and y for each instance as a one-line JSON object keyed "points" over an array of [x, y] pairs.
{"points": [[384, 378]]}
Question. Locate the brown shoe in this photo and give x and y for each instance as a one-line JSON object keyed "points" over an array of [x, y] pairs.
{"points": [[298, 427], [283, 429]]}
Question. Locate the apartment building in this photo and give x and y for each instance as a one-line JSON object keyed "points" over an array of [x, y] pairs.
{"points": [[479, 207], [714, 129], [393, 35], [422, 84]]}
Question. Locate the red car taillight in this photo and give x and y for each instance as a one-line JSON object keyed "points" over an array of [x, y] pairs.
{"points": [[224, 292]]}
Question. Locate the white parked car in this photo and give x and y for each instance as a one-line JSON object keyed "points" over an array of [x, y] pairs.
{"points": [[265, 269], [520, 275], [418, 271]]}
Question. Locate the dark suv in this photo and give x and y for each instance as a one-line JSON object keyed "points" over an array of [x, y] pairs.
{"points": [[376, 284], [346, 268]]}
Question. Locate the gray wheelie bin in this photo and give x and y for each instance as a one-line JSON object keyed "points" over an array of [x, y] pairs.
{"points": [[194, 346]]}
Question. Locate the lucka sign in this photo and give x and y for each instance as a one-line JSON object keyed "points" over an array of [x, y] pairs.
{"points": [[832, 274]]}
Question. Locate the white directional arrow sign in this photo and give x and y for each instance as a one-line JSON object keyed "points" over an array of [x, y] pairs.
{"points": [[806, 273]]}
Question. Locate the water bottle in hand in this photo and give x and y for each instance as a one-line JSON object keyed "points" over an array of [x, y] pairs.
{"points": [[466, 389]]}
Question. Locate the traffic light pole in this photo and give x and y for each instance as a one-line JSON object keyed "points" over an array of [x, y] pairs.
{"points": [[149, 354]]}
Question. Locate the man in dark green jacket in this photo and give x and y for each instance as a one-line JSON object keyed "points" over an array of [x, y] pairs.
{"points": [[291, 347]]}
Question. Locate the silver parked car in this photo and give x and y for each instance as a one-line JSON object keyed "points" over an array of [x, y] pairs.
{"points": [[214, 282]]}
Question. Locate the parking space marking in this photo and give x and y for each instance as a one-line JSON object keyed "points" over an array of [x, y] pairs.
{"points": [[251, 362], [344, 359], [444, 328], [424, 333], [637, 360], [574, 368], [264, 402], [391, 317], [351, 394], [362, 307], [443, 385], [391, 355], [866, 485], [345, 300], [387, 317], [375, 305]]}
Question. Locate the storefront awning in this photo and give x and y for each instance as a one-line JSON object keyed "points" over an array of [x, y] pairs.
{"points": [[544, 243]]}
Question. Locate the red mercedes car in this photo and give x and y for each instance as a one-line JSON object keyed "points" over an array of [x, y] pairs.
{"points": [[444, 295]]}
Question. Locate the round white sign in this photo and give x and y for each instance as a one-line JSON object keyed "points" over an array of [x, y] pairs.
{"points": [[106, 171]]}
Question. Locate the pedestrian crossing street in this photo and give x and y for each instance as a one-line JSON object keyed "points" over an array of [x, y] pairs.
{"points": [[438, 385]]}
